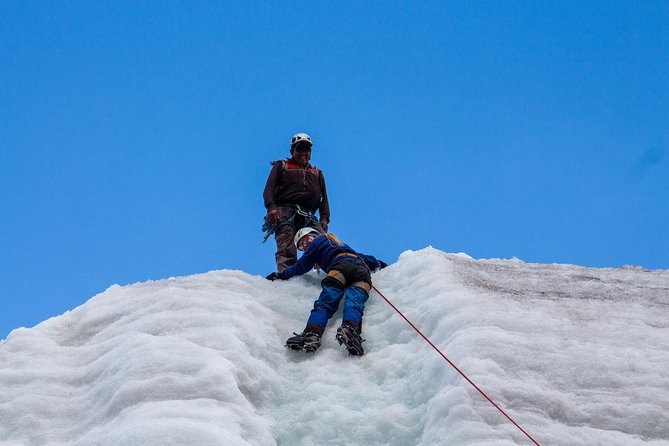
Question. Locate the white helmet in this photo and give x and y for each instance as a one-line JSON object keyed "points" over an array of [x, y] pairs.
{"points": [[299, 137], [303, 233]]}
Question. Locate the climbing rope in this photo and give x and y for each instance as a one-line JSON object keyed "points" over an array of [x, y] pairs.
{"points": [[454, 366]]}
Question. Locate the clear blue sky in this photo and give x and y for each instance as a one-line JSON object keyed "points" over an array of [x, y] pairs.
{"points": [[135, 137]]}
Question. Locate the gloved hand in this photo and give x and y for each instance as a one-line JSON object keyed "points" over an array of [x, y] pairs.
{"points": [[275, 276], [324, 225], [383, 264], [273, 216]]}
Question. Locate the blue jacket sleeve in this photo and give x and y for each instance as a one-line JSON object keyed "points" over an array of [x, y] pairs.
{"points": [[371, 261], [304, 265]]}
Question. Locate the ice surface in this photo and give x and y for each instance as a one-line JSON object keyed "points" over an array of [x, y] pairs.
{"points": [[577, 356]]}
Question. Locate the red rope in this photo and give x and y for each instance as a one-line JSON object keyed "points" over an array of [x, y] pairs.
{"points": [[455, 367]]}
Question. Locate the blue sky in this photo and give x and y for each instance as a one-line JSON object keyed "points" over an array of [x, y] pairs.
{"points": [[135, 139]]}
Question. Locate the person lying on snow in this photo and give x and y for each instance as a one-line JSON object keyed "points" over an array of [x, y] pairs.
{"points": [[349, 274]]}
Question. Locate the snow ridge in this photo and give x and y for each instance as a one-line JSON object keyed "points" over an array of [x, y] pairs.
{"points": [[576, 355]]}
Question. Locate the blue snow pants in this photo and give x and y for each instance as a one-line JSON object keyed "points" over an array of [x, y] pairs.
{"points": [[348, 277]]}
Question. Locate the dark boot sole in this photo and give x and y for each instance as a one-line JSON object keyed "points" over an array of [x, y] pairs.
{"points": [[308, 347], [353, 346]]}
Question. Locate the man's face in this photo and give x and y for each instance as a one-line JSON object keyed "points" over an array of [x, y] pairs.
{"points": [[305, 242], [301, 153]]}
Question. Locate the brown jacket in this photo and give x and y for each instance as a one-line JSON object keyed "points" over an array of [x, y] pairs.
{"points": [[290, 184]]}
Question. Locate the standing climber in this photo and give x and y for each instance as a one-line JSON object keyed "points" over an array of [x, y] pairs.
{"points": [[348, 274], [294, 191]]}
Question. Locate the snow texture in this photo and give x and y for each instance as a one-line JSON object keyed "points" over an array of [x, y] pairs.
{"points": [[577, 356]]}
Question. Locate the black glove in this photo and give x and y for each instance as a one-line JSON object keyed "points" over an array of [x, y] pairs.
{"points": [[276, 276], [383, 264]]}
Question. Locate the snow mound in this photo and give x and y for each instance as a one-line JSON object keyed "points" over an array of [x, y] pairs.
{"points": [[577, 356]]}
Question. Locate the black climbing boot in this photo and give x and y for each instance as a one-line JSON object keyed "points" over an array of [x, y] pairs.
{"points": [[309, 341], [348, 335]]}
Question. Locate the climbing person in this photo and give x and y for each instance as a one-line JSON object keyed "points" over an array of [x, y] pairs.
{"points": [[294, 191], [348, 274]]}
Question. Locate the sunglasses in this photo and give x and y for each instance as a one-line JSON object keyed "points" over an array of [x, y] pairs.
{"points": [[302, 148], [304, 242]]}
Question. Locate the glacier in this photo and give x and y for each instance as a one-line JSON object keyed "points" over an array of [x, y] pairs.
{"points": [[577, 356]]}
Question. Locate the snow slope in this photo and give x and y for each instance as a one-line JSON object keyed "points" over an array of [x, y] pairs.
{"points": [[577, 356]]}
